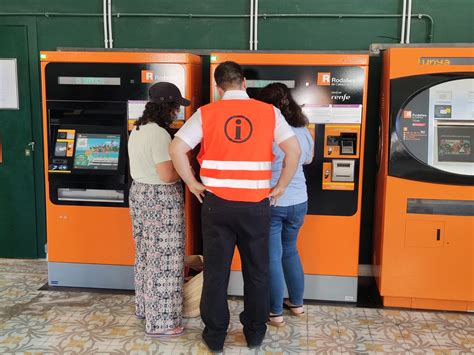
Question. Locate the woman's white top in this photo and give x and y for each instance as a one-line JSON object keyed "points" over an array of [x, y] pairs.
{"points": [[147, 147]]}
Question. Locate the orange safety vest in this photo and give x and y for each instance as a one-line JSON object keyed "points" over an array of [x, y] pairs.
{"points": [[236, 150]]}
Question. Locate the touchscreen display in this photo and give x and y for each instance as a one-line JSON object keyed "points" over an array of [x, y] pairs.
{"points": [[97, 151], [455, 143]]}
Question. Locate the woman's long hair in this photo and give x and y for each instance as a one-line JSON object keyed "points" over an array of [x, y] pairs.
{"points": [[279, 96], [162, 114]]}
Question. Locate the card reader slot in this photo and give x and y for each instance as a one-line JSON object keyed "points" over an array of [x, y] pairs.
{"points": [[90, 195]]}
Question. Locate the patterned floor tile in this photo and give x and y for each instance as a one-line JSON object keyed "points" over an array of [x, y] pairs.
{"points": [[292, 339], [45, 322], [349, 335]]}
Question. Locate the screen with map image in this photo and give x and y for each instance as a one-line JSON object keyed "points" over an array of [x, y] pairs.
{"points": [[97, 151]]}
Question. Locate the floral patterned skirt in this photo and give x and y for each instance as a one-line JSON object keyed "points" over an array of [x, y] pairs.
{"points": [[158, 229]]}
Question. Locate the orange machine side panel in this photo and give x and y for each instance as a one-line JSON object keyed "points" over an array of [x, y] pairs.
{"points": [[382, 159], [76, 236], [425, 303], [447, 305], [416, 264], [418, 61], [328, 245]]}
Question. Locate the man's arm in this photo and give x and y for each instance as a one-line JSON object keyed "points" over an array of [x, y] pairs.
{"points": [[292, 151], [179, 155]]}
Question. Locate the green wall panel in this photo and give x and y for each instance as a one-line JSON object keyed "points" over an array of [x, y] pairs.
{"points": [[332, 34], [184, 6], [51, 6], [453, 23], [69, 32], [192, 34]]}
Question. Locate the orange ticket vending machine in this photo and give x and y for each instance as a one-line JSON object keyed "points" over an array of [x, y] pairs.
{"points": [[424, 231], [331, 88], [90, 101]]}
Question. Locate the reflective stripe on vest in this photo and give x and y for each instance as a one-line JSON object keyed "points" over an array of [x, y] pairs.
{"points": [[236, 184], [236, 151], [236, 165]]}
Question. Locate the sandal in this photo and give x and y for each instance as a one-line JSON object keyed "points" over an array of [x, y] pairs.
{"points": [[167, 333], [292, 308], [275, 323]]}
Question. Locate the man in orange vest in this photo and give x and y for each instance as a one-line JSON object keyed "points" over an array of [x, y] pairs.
{"points": [[236, 136]]}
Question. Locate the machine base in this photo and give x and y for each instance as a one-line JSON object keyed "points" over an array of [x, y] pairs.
{"points": [[117, 277], [317, 287], [426, 303]]}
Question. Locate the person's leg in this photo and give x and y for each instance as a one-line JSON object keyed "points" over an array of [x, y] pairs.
{"points": [[253, 228], [164, 228], [277, 280], [292, 267], [174, 237], [140, 261], [218, 244], [140, 267]]}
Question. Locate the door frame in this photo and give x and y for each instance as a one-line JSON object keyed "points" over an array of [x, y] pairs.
{"points": [[36, 124]]}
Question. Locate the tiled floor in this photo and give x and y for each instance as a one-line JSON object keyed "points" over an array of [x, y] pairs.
{"points": [[52, 322]]}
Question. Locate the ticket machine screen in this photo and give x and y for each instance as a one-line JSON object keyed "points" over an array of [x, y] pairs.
{"points": [[454, 143], [97, 151]]}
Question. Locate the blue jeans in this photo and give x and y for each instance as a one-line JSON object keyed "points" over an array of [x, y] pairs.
{"points": [[285, 263]]}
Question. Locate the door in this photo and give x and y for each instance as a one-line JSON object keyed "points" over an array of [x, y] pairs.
{"points": [[17, 192]]}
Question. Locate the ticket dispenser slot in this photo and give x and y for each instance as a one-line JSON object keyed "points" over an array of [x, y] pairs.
{"points": [[343, 170]]}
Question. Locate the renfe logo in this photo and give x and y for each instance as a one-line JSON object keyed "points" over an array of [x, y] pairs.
{"points": [[324, 78], [148, 76]]}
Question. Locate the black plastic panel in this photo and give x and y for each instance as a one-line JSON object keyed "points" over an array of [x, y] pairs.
{"points": [[88, 117], [320, 202], [401, 162], [328, 202], [131, 87]]}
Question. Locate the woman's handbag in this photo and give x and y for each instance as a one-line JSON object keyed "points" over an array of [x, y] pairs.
{"points": [[193, 286]]}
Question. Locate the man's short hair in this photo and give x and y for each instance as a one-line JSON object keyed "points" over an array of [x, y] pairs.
{"points": [[228, 74]]}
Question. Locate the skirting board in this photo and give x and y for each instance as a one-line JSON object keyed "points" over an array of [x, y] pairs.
{"points": [[91, 276], [317, 287]]}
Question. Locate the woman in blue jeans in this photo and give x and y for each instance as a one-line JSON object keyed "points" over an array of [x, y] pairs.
{"points": [[288, 213]]}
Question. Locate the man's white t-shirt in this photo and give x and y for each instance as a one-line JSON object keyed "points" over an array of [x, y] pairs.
{"points": [[191, 132], [147, 147]]}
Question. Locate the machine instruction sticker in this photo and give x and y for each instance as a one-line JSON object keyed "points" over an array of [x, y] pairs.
{"points": [[333, 113], [8, 84], [326, 94]]}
